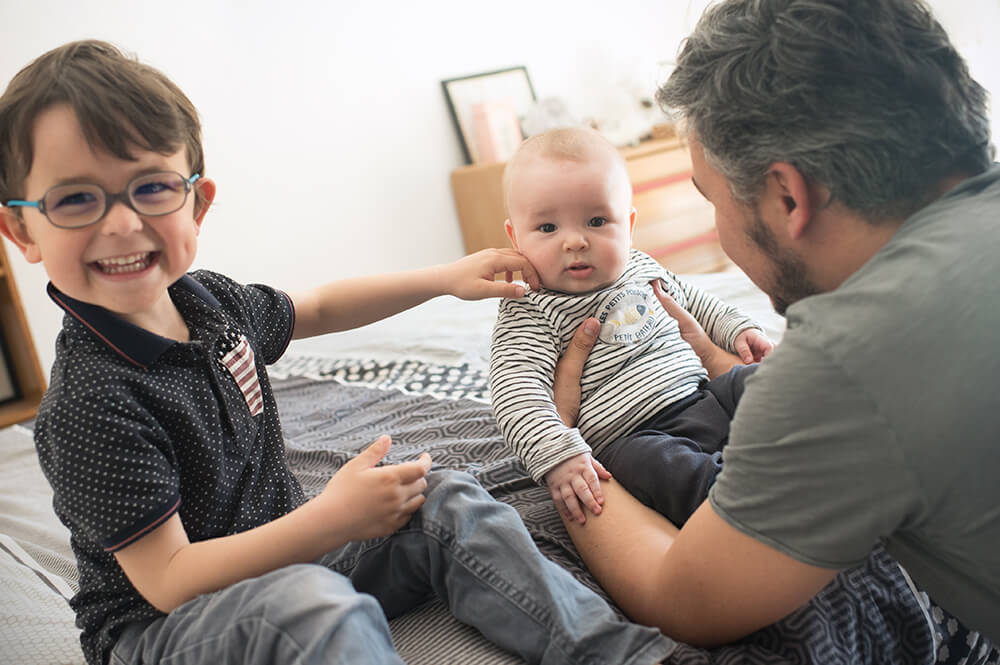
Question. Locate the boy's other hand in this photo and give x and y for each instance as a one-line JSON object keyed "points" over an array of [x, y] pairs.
{"points": [[574, 480], [474, 276], [369, 501]]}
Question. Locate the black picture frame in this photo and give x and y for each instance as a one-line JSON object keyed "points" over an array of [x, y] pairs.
{"points": [[10, 389], [464, 92]]}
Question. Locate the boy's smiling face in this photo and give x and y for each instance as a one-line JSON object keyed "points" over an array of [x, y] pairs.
{"points": [[126, 261]]}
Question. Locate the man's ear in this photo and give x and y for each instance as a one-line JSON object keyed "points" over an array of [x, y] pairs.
{"points": [[509, 228], [204, 195], [13, 228], [787, 191]]}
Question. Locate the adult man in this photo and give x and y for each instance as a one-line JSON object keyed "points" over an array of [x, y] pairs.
{"points": [[846, 151]]}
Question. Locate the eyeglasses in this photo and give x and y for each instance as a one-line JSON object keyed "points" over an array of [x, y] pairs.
{"points": [[78, 205]]}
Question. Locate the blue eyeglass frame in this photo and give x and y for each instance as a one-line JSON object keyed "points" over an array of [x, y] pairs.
{"points": [[109, 200]]}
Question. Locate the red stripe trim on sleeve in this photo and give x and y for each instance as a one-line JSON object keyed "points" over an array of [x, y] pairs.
{"points": [[142, 532]]}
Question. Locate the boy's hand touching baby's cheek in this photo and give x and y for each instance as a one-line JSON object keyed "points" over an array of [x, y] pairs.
{"points": [[368, 501], [474, 276], [577, 480]]}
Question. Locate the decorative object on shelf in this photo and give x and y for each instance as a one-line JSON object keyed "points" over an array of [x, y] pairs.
{"points": [[624, 115], [548, 113], [487, 109]]}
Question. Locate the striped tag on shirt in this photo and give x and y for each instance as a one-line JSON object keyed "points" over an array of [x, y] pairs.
{"points": [[240, 363]]}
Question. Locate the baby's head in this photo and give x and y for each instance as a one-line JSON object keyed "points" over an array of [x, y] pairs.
{"points": [[79, 125], [569, 206]]}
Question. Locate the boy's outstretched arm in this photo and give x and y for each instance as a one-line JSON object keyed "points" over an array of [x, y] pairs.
{"points": [[360, 501], [355, 302]]}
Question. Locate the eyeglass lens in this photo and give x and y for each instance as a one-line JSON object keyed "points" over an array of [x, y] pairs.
{"points": [[83, 204]]}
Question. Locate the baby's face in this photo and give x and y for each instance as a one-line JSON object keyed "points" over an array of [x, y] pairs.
{"points": [[573, 220]]}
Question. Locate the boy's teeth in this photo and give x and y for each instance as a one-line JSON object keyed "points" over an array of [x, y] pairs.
{"points": [[129, 263]]}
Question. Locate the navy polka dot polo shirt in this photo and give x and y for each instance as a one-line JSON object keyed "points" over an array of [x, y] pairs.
{"points": [[135, 427]]}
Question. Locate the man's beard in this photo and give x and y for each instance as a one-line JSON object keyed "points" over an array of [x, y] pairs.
{"points": [[789, 282]]}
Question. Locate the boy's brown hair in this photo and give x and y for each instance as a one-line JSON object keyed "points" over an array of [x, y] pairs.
{"points": [[119, 102]]}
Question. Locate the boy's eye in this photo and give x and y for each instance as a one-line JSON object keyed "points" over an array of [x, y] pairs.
{"points": [[597, 221], [70, 199], [162, 185], [547, 228]]}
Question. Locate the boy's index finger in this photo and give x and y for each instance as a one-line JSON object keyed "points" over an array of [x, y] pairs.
{"points": [[407, 472]]}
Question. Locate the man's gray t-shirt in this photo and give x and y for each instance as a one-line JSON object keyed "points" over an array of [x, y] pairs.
{"points": [[877, 418]]}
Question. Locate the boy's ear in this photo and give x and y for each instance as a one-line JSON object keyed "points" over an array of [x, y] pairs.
{"points": [[509, 228], [13, 228], [205, 188]]}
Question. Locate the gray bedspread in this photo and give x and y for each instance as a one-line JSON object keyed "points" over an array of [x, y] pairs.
{"points": [[870, 614]]}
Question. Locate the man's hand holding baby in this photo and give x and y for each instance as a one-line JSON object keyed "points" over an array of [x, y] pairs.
{"points": [[576, 480], [751, 344]]}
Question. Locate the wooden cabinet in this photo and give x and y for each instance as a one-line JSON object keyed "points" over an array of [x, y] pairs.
{"points": [[22, 373], [675, 224]]}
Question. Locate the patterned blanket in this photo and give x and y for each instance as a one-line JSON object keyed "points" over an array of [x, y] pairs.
{"points": [[869, 614]]}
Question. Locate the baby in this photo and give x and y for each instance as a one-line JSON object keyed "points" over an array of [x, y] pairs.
{"points": [[649, 414]]}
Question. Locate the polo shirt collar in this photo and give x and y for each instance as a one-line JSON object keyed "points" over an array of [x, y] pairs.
{"points": [[137, 345]]}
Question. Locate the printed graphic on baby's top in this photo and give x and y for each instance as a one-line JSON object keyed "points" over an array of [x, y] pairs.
{"points": [[627, 315]]}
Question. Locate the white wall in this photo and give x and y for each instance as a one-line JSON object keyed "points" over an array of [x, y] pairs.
{"points": [[324, 122]]}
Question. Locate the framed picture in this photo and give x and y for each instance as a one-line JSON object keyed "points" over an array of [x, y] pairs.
{"points": [[8, 381], [487, 109]]}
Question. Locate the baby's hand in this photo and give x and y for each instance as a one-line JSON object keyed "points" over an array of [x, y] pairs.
{"points": [[752, 346], [367, 501], [577, 479], [473, 277]]}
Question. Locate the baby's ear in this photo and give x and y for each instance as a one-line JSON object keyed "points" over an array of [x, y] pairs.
{"points": [[14, 229]]}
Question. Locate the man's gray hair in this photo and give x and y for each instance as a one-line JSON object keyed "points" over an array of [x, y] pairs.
{"points": [[867, 97]]}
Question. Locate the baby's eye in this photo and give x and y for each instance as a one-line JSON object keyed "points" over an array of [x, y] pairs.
{"points": [[547, 228], [597, 221]]}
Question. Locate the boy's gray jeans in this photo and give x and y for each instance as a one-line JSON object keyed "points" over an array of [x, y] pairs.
{"points": [[463, 546]]}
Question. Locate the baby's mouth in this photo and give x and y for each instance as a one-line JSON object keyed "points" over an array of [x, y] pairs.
{"points": [[578, 267], [124, 264]]}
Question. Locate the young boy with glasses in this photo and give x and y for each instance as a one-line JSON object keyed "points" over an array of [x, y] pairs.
{"points": [[160, 435]]}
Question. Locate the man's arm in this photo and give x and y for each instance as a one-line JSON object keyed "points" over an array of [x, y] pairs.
{"points": [[705, 584]]}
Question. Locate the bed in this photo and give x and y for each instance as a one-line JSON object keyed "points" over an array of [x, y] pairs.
{"points": [[421, 377]]}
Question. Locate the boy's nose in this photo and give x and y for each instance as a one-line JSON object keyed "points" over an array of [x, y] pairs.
{"points": [[120, 220]]}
